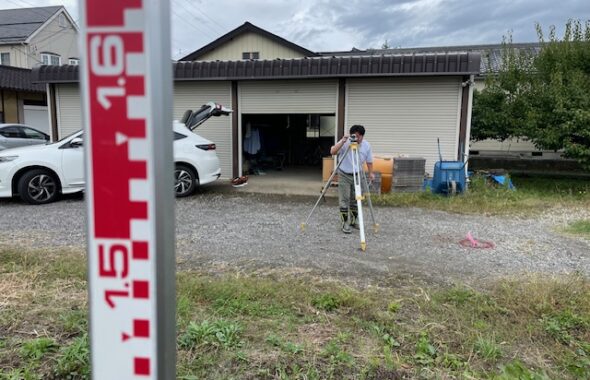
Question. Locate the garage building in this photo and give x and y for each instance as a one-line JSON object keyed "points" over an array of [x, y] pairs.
{"points": [[289, 111]]}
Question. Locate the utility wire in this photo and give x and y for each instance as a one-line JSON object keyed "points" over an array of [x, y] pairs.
{"points": [[189, 9], [191, 25]]}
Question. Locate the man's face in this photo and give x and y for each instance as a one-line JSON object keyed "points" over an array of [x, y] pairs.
{"points": [[359, 137]]}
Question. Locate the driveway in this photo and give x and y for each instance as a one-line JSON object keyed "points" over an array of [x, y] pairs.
{"points": [[254, 232]]}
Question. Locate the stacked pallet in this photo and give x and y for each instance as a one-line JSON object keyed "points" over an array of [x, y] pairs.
{"points": [[408, 174]]}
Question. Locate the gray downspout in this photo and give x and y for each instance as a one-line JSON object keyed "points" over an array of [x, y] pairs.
{"points": [[468, 125]]}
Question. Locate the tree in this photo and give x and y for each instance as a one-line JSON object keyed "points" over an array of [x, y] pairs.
{"points": [[544, 97]]}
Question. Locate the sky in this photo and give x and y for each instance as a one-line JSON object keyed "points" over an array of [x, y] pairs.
{"points": [[340, 25]]}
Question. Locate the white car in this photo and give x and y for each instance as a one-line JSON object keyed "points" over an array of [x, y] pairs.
{"points": [[40, 173], [15, 135]]}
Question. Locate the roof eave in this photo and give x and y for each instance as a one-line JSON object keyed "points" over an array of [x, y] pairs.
{"points": [[383, 66]]}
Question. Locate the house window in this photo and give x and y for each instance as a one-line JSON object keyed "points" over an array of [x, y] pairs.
{"points": [[50, 59], [250, 55], [74, 61], [5, 59], [62, 20]]}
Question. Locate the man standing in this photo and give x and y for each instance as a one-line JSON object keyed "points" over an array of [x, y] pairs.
{"points": [[347, 201]]}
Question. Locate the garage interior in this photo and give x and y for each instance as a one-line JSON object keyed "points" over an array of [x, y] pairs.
{"points": [[286, 145]]}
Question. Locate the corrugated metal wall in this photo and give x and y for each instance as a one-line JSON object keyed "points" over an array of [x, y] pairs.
{"points": [[192, 95], [69, 109], [295, 96], [405, 116]]}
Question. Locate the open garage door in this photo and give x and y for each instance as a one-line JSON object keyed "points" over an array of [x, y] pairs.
{"points": [[294, 122]]}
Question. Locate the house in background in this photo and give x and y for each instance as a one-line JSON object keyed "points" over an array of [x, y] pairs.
{"points": [[30, 37], [38, 36]]}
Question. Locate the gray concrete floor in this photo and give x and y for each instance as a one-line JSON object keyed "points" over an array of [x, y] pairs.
{"points": [[289, 181]]}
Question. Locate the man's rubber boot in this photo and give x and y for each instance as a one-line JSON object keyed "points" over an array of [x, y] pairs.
{"points": [[344, 220], [354, 215]]}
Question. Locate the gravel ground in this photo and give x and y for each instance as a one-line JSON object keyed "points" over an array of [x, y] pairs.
{"points": [[217, 232]]}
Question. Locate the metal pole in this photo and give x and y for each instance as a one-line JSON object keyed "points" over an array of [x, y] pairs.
{"points": [[324, 189], [375, 224]]}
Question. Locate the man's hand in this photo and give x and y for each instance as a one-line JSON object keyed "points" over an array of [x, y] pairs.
{"points": [[371, 177], [336, 147]]}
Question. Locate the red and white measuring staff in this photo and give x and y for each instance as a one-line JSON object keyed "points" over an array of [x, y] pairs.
{"points": [[126, 74]]}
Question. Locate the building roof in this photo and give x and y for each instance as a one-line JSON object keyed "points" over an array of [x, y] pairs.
{"points": [[18, 79], [17, 25], [302, 68], [243, 29], [491, 54]]}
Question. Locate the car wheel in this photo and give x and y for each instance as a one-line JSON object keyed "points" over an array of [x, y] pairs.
{"points": [[38, 187], [184, 181]]}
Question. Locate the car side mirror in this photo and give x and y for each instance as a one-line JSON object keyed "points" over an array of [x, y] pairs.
{"points": [[76, 142]]}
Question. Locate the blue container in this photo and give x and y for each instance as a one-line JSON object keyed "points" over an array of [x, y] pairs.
{"points": [[449, 177]]}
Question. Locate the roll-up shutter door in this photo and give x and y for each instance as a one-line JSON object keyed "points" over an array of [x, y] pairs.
{"points": [[290, 96], [407, 115], [69, 109], [192, 95]]}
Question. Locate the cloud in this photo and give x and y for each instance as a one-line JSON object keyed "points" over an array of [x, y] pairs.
{"points": [[330, 25]]}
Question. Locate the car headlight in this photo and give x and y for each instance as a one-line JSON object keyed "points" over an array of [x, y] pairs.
{"points": [[7, 158]]}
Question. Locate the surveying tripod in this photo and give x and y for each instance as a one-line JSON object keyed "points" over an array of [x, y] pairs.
{"points": [[358, 176]]}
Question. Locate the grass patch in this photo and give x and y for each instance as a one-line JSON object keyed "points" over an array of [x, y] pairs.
{"points": [[532, 195], [580, 228], [246, 327]]}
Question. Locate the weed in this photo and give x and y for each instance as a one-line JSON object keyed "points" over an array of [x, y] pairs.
{"points": [[480, 325], [562, 325], [385, 335], [326, 302], [183, 307], [425, 351], [35, 349], [75, 321], [219, 333], [581, 227], [288, 347], [73, 361], [517, 370], [336, 354], [488, 348], [578, 364], [532, 196], [393, 307], [20, 374], [458, 295], [452, 361]]}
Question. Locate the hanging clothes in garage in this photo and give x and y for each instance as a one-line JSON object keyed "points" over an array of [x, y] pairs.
{"points": [[251, 140]]}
